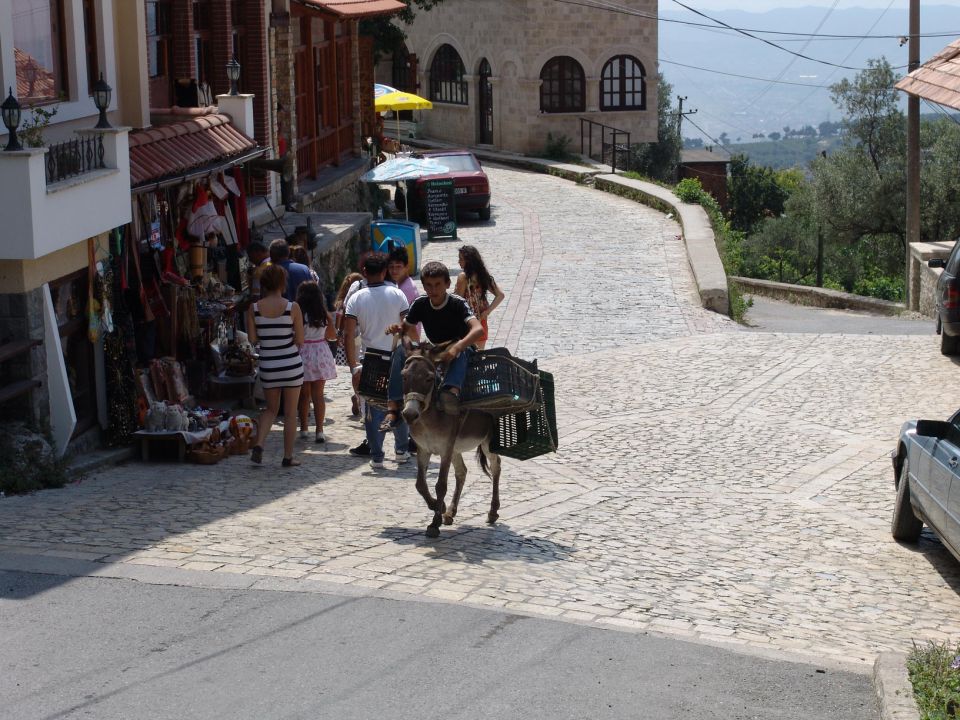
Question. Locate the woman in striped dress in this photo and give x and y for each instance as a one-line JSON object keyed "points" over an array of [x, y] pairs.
{"points": [[278, 326]]}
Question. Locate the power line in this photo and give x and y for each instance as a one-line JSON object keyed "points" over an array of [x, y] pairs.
{"points": [[612, 7], [940, 111], [743, 77], [746, 33]]}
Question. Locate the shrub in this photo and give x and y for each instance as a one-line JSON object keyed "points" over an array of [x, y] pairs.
{"points": [[557, 147], [27, 462], [935, 674], [689, 190]]}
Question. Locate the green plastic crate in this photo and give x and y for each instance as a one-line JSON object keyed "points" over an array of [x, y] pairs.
{"points": [[526, 435]]}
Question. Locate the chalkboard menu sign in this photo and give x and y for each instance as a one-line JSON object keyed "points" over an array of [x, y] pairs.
{"points": [[441, 208]]}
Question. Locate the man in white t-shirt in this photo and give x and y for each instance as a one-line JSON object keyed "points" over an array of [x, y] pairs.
{"points": [[373, 309]]}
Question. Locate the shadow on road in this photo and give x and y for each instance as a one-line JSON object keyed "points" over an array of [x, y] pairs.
{"points": [[935, 552], [475, 545]]}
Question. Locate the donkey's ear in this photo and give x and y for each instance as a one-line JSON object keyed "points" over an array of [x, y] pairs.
{"points": [[436, 351], [407, 344]]}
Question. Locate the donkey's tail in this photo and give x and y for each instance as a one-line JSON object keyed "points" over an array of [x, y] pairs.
{"points": [[482, 461]]}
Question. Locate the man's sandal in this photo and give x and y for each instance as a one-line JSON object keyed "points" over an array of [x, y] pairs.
{"points": [[391, 420]]}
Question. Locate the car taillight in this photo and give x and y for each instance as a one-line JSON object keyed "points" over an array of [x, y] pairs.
{"points": [[952, 299]]}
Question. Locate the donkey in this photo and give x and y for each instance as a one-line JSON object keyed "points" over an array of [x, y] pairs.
{"points": [[448, 436]]}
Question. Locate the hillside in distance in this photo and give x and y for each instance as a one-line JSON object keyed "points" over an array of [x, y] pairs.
{"points": [[743, 107]]}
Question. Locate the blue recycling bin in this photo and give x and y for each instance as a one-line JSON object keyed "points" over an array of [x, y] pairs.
{"points": [[382, 232]]}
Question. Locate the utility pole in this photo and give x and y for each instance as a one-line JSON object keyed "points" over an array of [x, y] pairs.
{"points": [[913, 148], [681, 114]]}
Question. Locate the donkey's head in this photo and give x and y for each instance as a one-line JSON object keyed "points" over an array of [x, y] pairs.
{"points": [[419, 378]]}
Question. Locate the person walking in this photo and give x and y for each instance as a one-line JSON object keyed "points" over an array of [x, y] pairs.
{"points": [[277, 324], [373, 309], [318, 363], [296, 273], [338, 304], [474, 284]]}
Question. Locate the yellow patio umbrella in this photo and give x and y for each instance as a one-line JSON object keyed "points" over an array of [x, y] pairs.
{"points": [[389, 98]]}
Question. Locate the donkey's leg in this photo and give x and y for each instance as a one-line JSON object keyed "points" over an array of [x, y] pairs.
{"points": [[460, 471], [423, 464], [495, 465], [433, 530]]}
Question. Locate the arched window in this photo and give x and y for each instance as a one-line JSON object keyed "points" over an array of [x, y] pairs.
{"points": [[562, 87], [446, 77], [623, 85]]}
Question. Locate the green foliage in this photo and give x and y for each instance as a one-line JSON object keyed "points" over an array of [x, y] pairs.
{"points": [[754, 194], [31, 130], [26, 467], [659, 160], [557, 147], [689, 190], [935, 674], [388, 36]]}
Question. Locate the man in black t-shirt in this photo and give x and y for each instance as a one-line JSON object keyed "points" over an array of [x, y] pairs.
{"points": [[445, 317]]}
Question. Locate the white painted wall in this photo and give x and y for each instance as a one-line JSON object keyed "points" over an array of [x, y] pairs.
{"points": [[40, 219], [63, 416]]}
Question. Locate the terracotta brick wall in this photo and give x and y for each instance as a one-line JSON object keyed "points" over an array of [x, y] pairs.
{"points": [[221, 40], [183, 60]]}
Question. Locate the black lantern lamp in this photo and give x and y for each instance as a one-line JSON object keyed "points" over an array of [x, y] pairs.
{"points": [[101, 98], [233, 72], [11, 119]]}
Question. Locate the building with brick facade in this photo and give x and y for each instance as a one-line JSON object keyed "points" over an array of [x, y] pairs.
{"points": [[709, 165], [323, 87], [505, 73]]}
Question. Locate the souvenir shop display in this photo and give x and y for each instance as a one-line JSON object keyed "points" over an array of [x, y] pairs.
{"points": [[169, 305]]}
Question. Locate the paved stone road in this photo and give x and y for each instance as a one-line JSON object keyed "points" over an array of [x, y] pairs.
{"points": [[714, 484]]}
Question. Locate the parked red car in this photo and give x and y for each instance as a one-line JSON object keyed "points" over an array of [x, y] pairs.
{"points": [[471, 186]]}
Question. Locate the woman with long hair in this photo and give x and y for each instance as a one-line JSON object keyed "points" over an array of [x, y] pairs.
{"points": [[277, 325], [474, 284], [318, 364]]}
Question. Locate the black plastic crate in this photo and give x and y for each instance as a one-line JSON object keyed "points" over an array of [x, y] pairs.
{"points": [[500, 383], [527, 434], [375, 377]]}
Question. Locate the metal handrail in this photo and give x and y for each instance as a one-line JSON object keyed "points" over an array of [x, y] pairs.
{"points": [[74, 157], [586, 139]]}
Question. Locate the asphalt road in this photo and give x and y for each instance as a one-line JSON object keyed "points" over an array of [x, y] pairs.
{"points": [[105, 648], [768, 315]]}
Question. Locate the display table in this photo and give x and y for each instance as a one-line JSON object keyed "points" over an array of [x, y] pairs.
{"points": [[230, 387], [181, 438]]}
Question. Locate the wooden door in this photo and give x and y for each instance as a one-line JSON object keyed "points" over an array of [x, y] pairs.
{"points": [[485, 135]]}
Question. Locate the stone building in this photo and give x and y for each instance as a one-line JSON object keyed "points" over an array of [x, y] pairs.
{"points": [[505, 73]]}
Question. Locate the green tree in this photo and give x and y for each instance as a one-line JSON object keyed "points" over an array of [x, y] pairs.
{"points": [[659, 160], [754, 193], [388, 35]]}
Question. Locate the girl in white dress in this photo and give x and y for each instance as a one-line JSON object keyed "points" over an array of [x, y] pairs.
{"points": [[318, 363]]}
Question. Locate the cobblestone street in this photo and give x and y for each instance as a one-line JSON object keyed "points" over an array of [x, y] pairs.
{"points": [[711, 484]]}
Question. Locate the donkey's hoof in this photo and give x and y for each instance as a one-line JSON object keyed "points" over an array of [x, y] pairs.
{"points": [[492, 518], [448, 519], [433, 532]]}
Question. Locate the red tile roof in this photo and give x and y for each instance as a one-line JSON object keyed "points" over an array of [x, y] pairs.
{"points": [[34, 82], [938, 79], [357, 8], [170, 150]]}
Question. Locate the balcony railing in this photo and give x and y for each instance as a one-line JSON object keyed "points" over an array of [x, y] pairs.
{"points": [[74, 157]]}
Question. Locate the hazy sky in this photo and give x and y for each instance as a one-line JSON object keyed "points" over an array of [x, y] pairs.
{"points": [[763, 5]]}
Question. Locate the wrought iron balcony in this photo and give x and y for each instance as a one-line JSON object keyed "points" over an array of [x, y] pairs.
{"points": [[74, 157]]}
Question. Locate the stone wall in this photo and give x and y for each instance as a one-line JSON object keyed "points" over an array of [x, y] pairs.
{"points": [[923, 279], [21, 318], [517, 38]]}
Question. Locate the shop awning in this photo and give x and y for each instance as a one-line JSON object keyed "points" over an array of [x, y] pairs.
{"points": [[184, 148], [356, 9], [938, 79]]}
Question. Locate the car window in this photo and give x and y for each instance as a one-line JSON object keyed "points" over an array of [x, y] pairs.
{"points": [[953, 263], [457, 163], [953, 435]]}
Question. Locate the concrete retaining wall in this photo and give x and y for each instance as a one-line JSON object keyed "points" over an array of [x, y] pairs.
{"points": [[817, 297]]}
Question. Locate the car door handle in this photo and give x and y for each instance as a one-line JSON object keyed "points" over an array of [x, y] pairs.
{"points": [[953, 462]]}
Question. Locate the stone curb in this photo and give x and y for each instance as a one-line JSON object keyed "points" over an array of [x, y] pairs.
{"points": [[893, 688], [86, 463], [817, 297]]}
